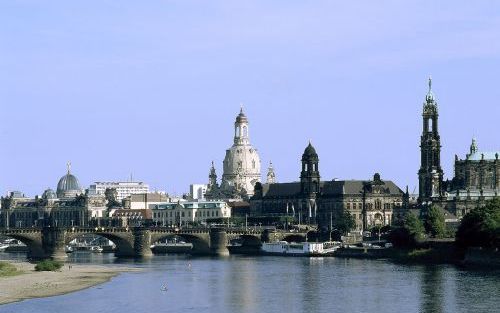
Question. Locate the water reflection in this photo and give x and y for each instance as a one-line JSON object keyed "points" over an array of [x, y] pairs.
{"points": [[274, 284], [431, 290]]}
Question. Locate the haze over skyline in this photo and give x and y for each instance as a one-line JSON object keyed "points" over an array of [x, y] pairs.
{"points": [[153, 90]]}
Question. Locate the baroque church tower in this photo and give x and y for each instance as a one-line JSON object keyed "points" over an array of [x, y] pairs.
{"points": [[430, 175], [212, 178], [271, 176], [309, 176]]}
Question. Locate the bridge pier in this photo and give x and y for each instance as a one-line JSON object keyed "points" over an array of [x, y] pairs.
{"points": [[218, 242], [142, 242], [54, 243]]}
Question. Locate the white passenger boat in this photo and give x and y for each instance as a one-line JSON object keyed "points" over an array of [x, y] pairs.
{"points": [[299, 248]]}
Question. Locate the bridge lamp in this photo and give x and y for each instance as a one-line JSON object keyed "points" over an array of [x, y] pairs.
{"points": [[96, 228]]}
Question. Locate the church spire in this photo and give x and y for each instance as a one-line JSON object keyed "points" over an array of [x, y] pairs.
{"points": [[212, 177], [271, 176], [430, 173], [68, 166]]}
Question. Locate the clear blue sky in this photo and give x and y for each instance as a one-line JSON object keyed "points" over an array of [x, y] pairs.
{"points": [[153, 87]]}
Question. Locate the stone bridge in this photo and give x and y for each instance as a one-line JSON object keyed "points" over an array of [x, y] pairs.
{"points": [[50, 242]]}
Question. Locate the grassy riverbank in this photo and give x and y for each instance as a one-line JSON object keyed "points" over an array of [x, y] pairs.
{"points": [[7, 270], [20, 280]]}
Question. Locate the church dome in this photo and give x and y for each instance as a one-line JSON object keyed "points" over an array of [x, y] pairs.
{"points": [[49, 194], [68, 186], [241, 166]]}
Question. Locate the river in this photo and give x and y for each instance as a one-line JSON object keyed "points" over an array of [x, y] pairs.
{"points": [[275, 284]]}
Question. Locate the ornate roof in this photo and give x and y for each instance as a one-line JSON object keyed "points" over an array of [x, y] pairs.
{"points": [[476, 155], [241, 118], [479, 155], [68, 184], [309, 152]]}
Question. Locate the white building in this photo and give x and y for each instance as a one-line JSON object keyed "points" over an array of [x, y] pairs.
{"points": [[181, 213], [197, 191], [124, 189], [145, 200]]}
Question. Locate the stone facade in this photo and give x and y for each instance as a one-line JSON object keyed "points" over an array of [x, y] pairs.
{"points": [[182, 213], [370, 202], [65, 208]]}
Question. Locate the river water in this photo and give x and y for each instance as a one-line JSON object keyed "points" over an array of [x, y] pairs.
{"points": [[275, 284]]}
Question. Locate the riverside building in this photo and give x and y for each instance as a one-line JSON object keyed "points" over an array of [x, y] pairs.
{"points": [[66, 207], [123, 189], [189, 212], [311, 200]]}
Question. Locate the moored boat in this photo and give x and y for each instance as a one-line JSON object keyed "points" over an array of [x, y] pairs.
{"points": [[299, 248]]}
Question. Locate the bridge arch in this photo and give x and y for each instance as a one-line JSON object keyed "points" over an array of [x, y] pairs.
{"points": [[32, 240], [249, 240], [124, 246], [200, 241]]}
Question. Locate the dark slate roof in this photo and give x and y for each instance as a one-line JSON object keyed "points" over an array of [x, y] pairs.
{"points": [[281, 189], [310, 151], [329, 188], [351, 187]]}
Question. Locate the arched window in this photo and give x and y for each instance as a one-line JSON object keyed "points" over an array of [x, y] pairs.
{"points": [[245, 131], [305, 167], [253, 163], [429, 123], [314, 167]]}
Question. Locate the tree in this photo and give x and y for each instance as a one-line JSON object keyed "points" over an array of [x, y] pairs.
{"points": [[414, 225], [410, 231], [344, 223], [481, 226], [434, 222]]}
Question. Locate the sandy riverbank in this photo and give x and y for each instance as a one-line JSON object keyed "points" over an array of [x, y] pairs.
{"points": [[33, 284]]}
